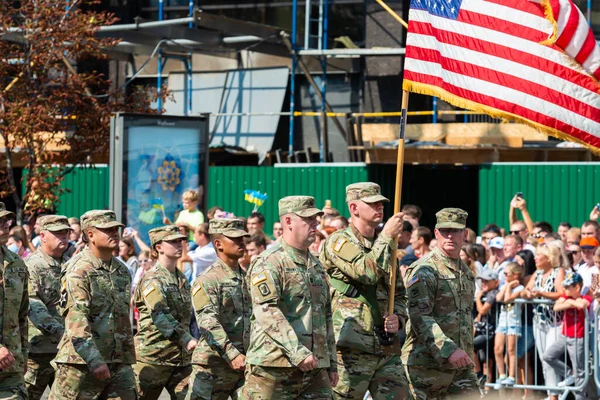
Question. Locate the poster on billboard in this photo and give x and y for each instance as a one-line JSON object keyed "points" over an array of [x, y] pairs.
{"points": [[154, 159]]}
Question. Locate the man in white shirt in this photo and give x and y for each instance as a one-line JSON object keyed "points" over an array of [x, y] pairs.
{"points": [[587, 268], [204, 255]]}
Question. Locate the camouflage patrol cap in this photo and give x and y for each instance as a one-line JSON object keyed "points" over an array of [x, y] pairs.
{"points": [[54, 223], [230, 227], [167, 232], [99, 219], [303, 206], [368, 192], [453, 218], [4, 212]]}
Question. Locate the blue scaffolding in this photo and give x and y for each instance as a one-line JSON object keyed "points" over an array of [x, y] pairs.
{"points": [[310, 39]]}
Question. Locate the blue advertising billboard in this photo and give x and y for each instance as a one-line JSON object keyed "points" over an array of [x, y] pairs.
{"points": [[154, 159]]}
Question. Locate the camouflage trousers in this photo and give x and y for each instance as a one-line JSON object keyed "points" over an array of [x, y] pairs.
{"points": [[152, 379], [76, 382], [382, 376], [214, 383], [265, 383], [434, 384], [39, 374], [12, 387]]}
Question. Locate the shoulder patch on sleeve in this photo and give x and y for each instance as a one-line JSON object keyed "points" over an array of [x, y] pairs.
{"points": [[199, 297], [412, 281], [259, 278], [152, 295], [337, 247], [263, 287]]}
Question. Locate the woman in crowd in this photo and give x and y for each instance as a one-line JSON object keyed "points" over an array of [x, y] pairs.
{"points": [[22, 234], [546, 284], [17, 245], [525, 353], [127, 254], [470, 255], [146, 262]]}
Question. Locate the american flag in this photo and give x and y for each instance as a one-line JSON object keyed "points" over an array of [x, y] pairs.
{"points": [[511, 59]]}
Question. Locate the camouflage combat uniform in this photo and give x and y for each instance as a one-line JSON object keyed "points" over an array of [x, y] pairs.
{"points": [[361, 265], [291, 320], [14, 306], [164, 302], [440, 301], [46, 324], [95, 296], [222, 305]]}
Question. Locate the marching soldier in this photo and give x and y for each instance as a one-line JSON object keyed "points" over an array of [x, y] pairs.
{"points": [[96, 351], [163, 343], [292, 347], [222, 306], [14, 306], [46, 324], [440, 289], [358, 263]]}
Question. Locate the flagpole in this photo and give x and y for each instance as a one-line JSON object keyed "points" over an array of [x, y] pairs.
{"points": [[398, 199]]}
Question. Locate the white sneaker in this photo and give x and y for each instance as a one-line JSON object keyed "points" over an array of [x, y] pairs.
{"points": [[567, 382], [510, 381], [498, 384]]}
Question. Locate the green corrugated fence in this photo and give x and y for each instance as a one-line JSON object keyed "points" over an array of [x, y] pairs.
{"points": [[227, 184], [88, 189], [554, 192]]}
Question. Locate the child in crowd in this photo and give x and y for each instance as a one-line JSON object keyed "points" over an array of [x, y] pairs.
{"points": [[571, 336], [190, 217], [508, 328], [485, 325]]}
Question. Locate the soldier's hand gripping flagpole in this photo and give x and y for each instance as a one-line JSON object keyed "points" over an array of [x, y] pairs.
{"points": [[398, 199]]}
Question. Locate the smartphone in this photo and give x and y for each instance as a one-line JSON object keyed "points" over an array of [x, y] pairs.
{"points": [[520, 195], [598, 206], [127, 231]]}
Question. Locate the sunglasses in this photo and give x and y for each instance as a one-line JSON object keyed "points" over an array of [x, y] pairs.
{"points": [[516, 232]]}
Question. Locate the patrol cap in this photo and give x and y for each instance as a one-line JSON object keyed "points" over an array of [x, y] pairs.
{"points": [[102, 219], [303, 206], [453, 218], [368, 192], [571, 279], [4, 212], [167, 232], [488, 274], [230, 227], [53, 223]]}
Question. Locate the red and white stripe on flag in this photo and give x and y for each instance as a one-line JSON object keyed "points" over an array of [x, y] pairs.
{"points": [[573, 34], [510, 59]]}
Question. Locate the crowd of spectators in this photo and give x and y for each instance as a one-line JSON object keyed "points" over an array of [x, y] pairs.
{"points": [[513, 334]]}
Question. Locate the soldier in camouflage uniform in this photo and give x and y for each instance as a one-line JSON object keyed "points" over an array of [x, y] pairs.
{"points": [[292, 346], [440, 291], [163, 343], [46, 324], [14, 306], [222, 305], [96, 351], [358, 263]]}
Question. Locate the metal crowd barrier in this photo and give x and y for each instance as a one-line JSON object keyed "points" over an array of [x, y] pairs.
{"points": [[526, 383], [596, 358]]}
